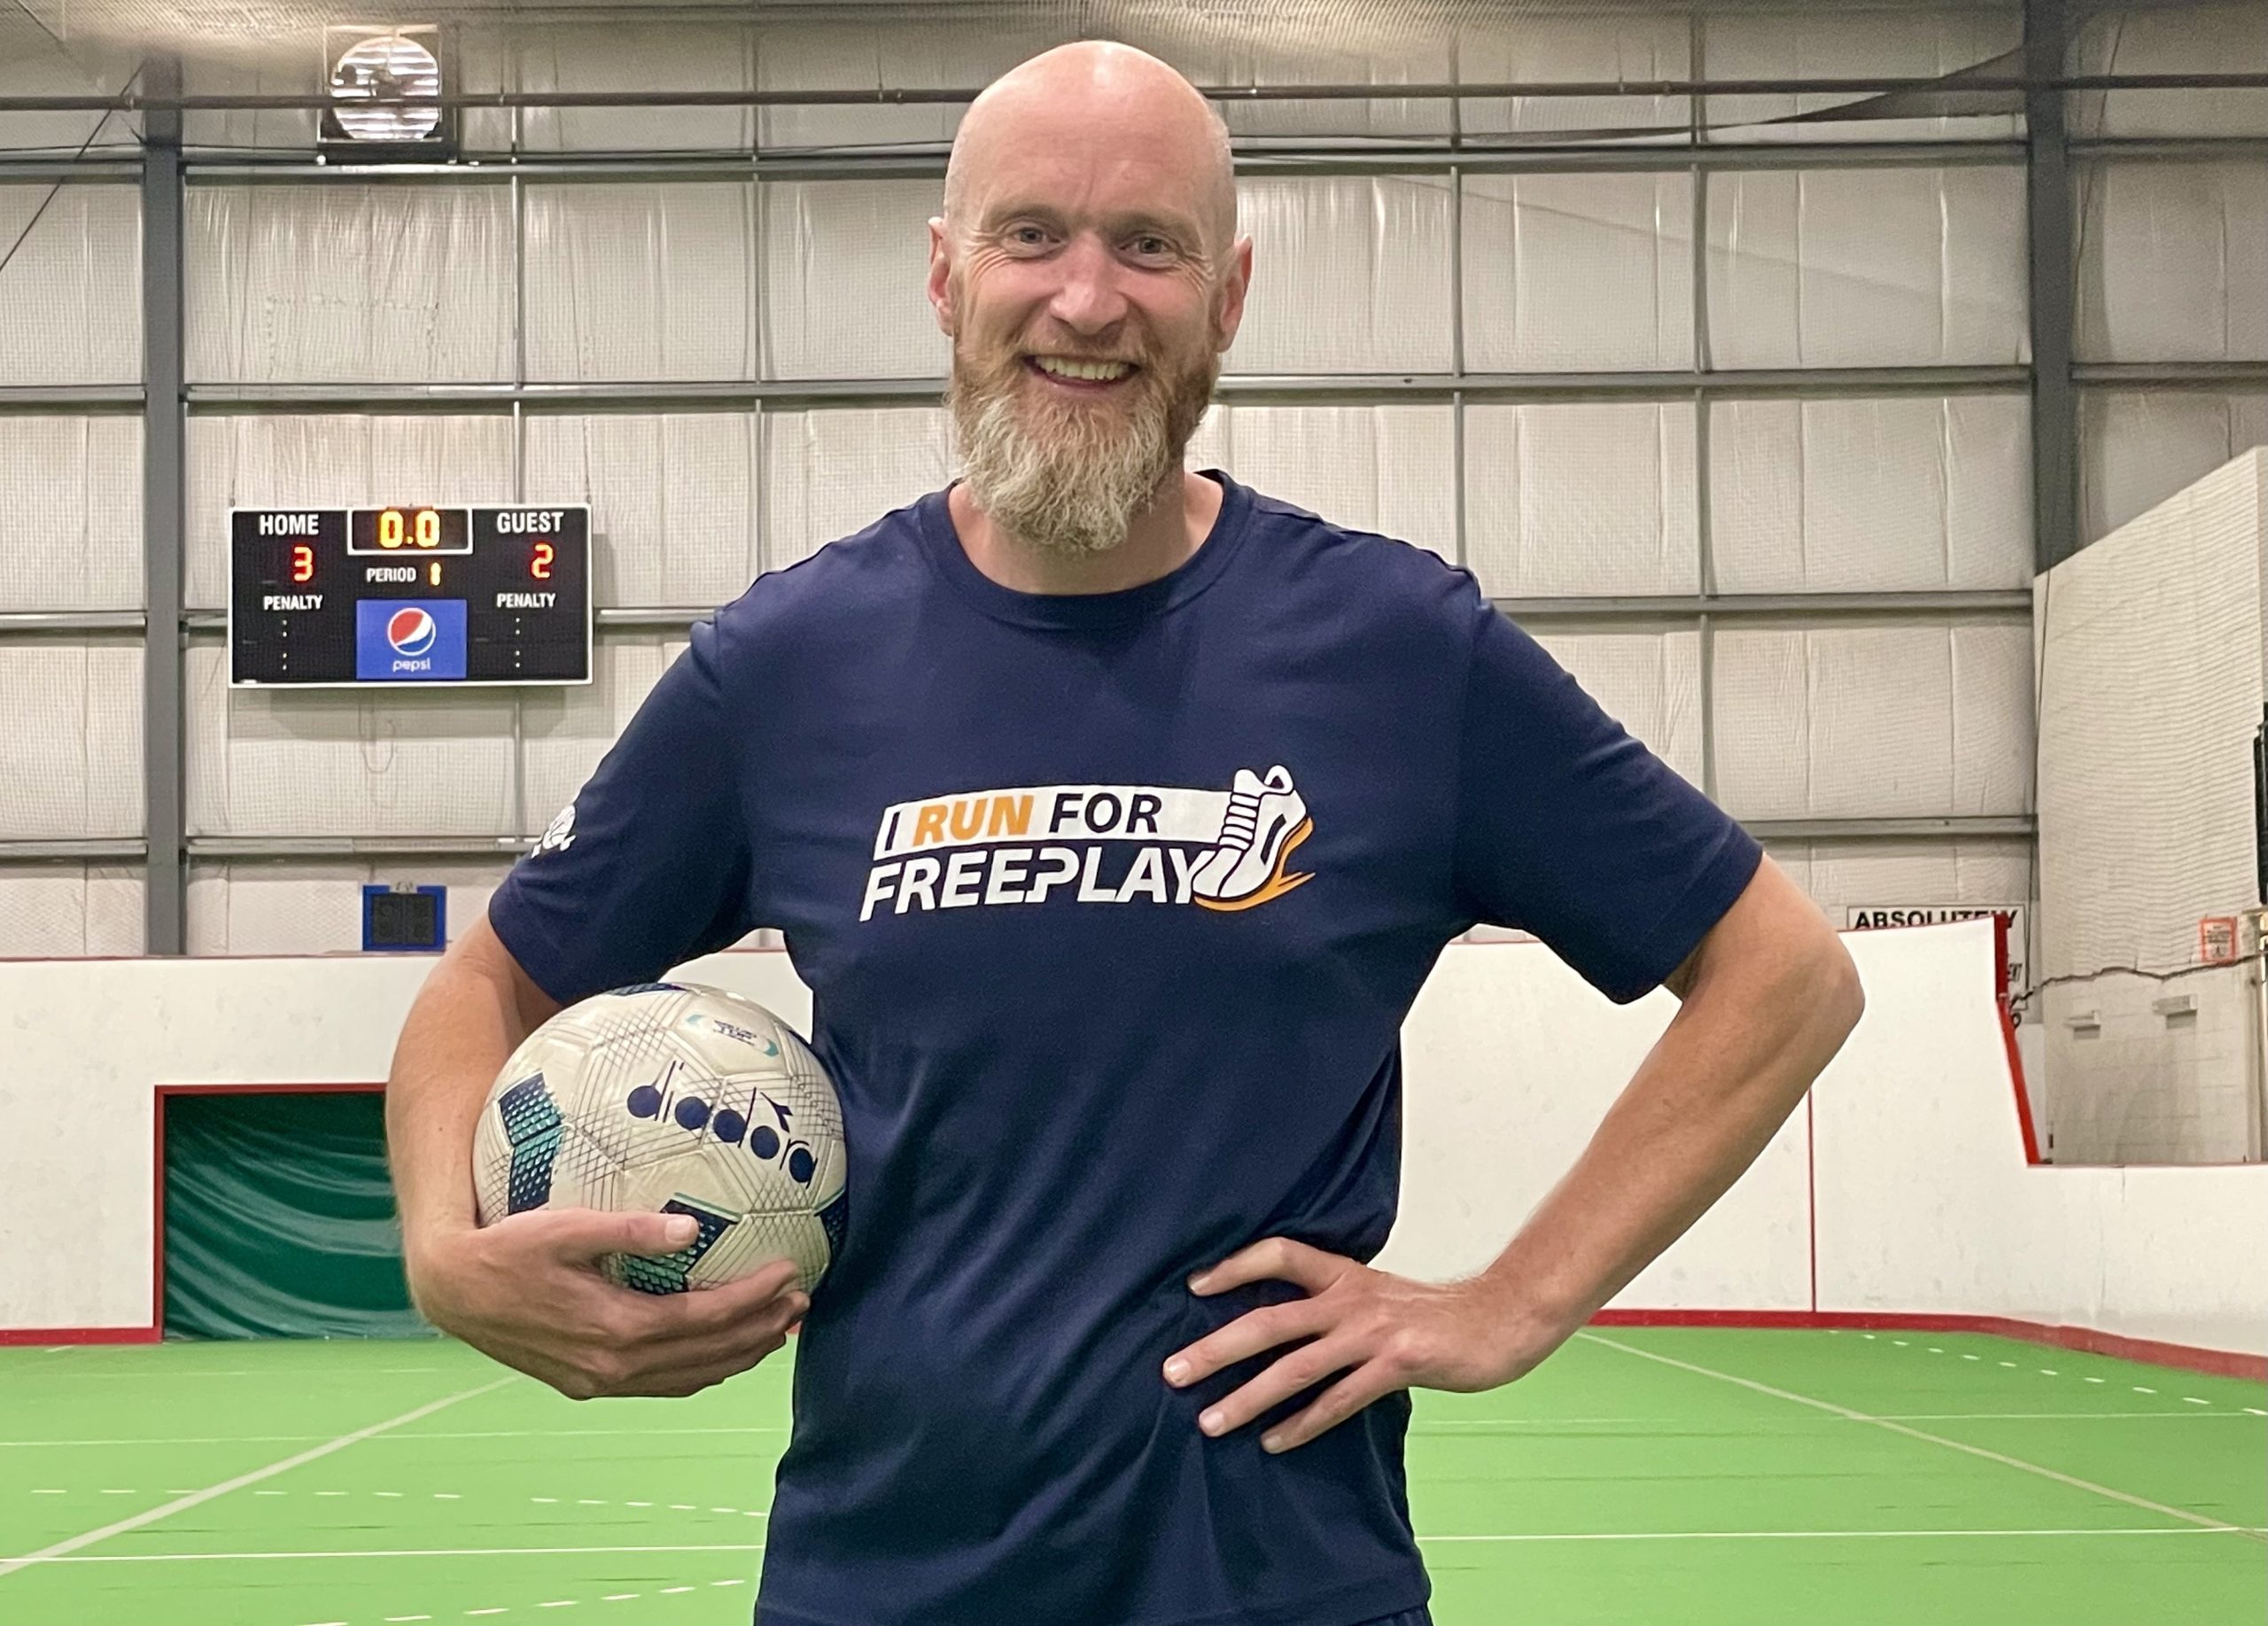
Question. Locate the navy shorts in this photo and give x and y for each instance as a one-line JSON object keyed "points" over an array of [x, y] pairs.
{"points": [[1408, 1617]]}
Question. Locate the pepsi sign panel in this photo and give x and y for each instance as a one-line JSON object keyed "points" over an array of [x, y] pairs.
{"points": [[337, 597], [410, 641]]}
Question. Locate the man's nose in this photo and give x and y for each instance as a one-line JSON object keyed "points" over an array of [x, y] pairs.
{"points": [[1088, 299]]}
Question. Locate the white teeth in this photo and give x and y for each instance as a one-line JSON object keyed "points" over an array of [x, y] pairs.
{"points": [[1096, 371]]}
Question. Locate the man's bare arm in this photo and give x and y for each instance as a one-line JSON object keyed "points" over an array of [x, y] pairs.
{"points": [[1767, 1000], [527, 1290]]}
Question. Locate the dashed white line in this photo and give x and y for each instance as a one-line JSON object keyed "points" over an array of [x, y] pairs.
{"points": [[395, 1619], [558, 1603], [446, 1496], [391, 1493], [485, 1612], [2049, 1372], [2257, 1412], [2093, 1380], [50, 1493], [2011, 1366], [617, 1598], [2141, 1390], [588, 1501], [1969, 1358], [2192, 1400], [118, 1493], [735, 1582], [724, 1510], [637, 1504], [2018, 1462], [330, 1493], [151, 1515], [667, 1590]]}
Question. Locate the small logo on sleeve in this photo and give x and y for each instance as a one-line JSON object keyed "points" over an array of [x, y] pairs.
{"points": [[1226, 851], [559, 834]]}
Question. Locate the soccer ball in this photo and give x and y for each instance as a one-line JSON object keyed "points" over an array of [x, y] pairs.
{"points": [[682, 1099]]}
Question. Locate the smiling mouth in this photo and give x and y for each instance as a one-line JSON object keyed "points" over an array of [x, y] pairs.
{"points": [[1086, 384]]}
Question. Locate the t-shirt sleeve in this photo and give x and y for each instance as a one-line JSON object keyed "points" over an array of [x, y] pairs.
{"points": [[1570, 829], [649, 866]]}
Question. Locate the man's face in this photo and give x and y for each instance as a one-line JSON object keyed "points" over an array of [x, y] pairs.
{"points": [[1085, 253]]}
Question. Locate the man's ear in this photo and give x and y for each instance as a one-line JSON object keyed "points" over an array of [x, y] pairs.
{"points": [[1233, 289], [940, 286]]}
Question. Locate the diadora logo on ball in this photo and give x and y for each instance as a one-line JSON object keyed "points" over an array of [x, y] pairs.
{"points": [[748, 1118], [411, 632], [1226, 850]]}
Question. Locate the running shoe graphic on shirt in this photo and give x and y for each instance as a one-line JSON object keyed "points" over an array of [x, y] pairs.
{"points": [[1266, 819]]}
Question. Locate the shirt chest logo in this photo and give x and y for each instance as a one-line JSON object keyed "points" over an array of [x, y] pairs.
{"points": [[1220, 849]]}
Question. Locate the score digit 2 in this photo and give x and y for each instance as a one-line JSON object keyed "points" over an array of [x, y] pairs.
{"points": [[539, 566]]}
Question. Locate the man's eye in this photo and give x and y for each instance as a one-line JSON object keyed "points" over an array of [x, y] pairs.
{"points": [[1150, 247], [1027, 235]]}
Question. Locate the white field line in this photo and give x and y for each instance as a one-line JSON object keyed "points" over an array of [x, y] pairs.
{"points": [[478, 1434], [197, 1498], [1525, 1537], [2144, 1503]]}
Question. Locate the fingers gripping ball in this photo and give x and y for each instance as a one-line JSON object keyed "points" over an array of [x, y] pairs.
{"points": [[674, 1099]]}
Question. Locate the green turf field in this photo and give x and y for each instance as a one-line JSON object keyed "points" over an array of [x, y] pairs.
{"points": [[1642, 1476]]}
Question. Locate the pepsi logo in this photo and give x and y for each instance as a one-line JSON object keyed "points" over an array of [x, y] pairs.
{"points": [[411, 632]]}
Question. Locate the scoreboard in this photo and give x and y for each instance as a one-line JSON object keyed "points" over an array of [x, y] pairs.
{"points": [[336, 597]]}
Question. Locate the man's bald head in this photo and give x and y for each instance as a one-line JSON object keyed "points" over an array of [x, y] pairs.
{"points": [[1096, 92]]}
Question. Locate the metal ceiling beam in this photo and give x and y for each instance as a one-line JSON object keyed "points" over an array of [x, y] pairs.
{"points": [[1320, 389], [70, 398], [148, 99]]}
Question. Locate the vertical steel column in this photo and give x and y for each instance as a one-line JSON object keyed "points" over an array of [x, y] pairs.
{"points": [[2047, 186], [1704, 361], [166, 890]]}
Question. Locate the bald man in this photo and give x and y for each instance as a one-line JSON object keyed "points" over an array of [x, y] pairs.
{"points": [[1113, 814]]}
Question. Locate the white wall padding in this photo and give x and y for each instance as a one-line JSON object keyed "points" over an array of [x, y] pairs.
{"points": [[619, 58], [2196, 37], [832, 473], [1866, 267], [1386, 468], [1588, 48], [1349, 275], [344, 762], [71, 489], [2138, 448], [344, 282], [2173, 262], [567, 731], [640, 281], [71, 300], [1874, 720], [298, 906], [1851, 41], [1329, 44], [1581, 498], [250, 461], [845, 265], [1845, 494], [1568, 272], [71, 755], [61, 911], [672, 496], [1649, 682]]}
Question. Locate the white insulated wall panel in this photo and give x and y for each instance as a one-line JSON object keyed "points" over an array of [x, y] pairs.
{"points": [[2189, 38], [1852, 42], [347, 283], [32, 64], [567, 731], [619, 58], [1874, 720], [1349, 275], [1889, 873], [1329, 44], [2173, 262], [904, 53], [1845, 494], [66, 911], [71, 488], [273, 68], [71, 755], [830, 474], [1564, 273], [2137, 448], [1866, 267], [639, 282], [845, 268], [1387, 468], [1649, 682], [331, 460], [264, 762], [267, 906], [673, 509], [71, 300], [1579, 500], [1595, 47]]}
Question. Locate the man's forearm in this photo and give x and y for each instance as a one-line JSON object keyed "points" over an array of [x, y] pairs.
{"points": [[462, 1028], [1733, 1064]]}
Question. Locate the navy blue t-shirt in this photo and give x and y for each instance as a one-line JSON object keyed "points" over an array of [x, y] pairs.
{"points": [[1111, 907]]}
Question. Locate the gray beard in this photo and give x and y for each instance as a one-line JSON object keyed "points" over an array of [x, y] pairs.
{"points": [[1073, 483]]}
